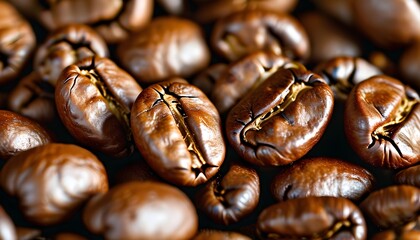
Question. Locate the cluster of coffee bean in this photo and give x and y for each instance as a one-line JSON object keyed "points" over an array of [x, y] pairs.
{"points": [[209, 119]]}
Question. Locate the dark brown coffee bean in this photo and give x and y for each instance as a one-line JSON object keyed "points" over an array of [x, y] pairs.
{"points": [[339, 9], [24, 233], [243, 75], [396, 22], [247, 31], [207, 234], [67, 46], [322, 177], [393, 206], [17, 41], [206, 79], [53, 180], [178, 131], [342, 73], [382, 118], [228, 199], [409, 66], [34, 98], [114, 20], [7, 228], [329, 38], [282, 119], [94, 99], [137, 171], [409, 176], [211, 10], [142, 210], [18, 133], [312, 218], [397, 235], [164, 49]]}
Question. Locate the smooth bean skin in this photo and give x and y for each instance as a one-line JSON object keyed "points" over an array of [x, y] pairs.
{"points": [[142, 210], [282, 119], [228, 199], [322, 177], [244, 32], [51, 181], [7, 228], [93, 98], [393, 206], [18, 133], [382, 122], [312, 218], [178, 132], [409, 176]]}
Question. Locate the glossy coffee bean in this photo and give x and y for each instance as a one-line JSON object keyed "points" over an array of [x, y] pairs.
{"points": [[282, 119], [51, 181], [312, 218], [212, 10], [178, 131], [409, 65], [343, 73], [142, 210], [18, 133], [382, 122], [93, 99], [167, 47], [66, 46], [322, 177], [409, 176], [396, 22], [17, 41], [243, 75], [34, 98], [397, 235], [328, 38], [114, 20], [393, 206], [219, 235], [7, 228], [247, 31], [229, 198]]}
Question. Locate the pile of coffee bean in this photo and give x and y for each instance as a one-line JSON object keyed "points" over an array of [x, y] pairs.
{"points": [[209, 119]]}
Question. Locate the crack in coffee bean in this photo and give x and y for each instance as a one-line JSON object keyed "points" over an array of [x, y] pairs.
{"points": [[386, 131], [292, 94], [199, 165]]}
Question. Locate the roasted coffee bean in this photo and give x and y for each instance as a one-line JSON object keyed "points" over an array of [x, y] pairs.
{"points": [[24, 233], [174, 7], [206, 79], [382, 122], [178, 131], [339, 9], [67, 46], [114, 20], [207, 234], [52, 181], [93, 99], [211, 10], [328, 38], [342, 73], [393, 206], [247, 31], [409, 176], [17, 41], [312, 218], [230, 198], [167, 47], [244, 75], [282, 119], [7, 228], [396, 235], [395, 22], [142, 210], [34, 99], [322, 177], [18, 133], [409, 66]]}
